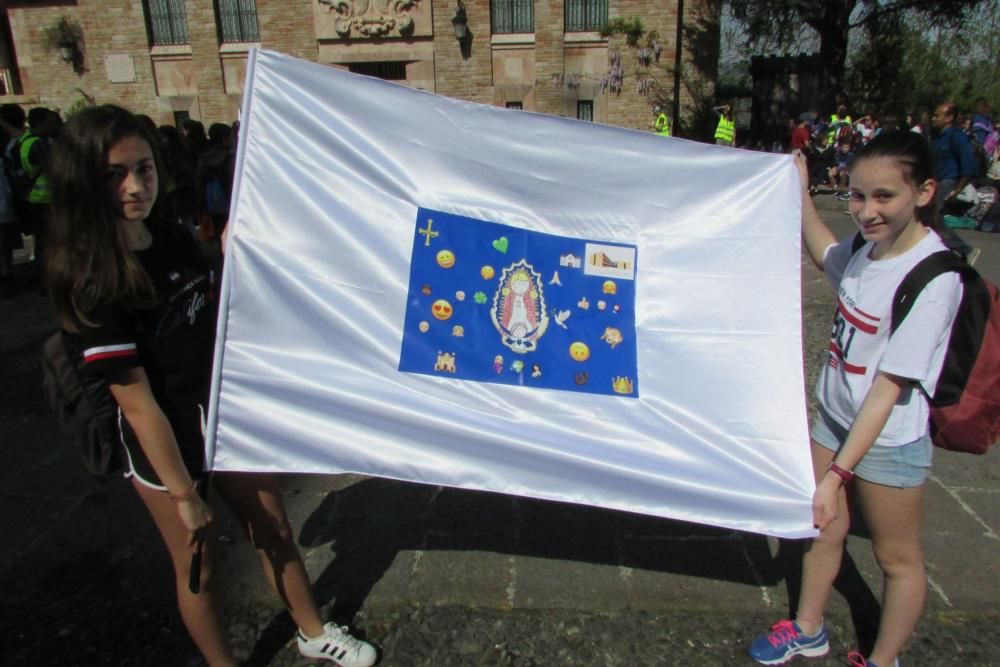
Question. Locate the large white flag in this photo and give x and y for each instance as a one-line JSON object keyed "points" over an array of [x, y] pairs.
{"points": [[427, 289]]}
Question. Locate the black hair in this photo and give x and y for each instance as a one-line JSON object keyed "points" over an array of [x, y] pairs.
{"points": [[915, 157], [219, 132], [37, 117], [13, 115], [89, 265]]}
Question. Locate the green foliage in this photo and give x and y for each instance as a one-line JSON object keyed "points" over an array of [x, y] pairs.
{"points": [[631, 28], [64, 32], [81, 103], [776, 26], [910, 64]]}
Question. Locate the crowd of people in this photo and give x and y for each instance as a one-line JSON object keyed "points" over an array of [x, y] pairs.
{"points": [[198, 176], [967, 146]]}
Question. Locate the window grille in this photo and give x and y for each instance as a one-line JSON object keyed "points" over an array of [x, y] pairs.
{"points": [[586, 15], [515, 105], [238, 21], [512, 16], [585, 110], [167, 22]]}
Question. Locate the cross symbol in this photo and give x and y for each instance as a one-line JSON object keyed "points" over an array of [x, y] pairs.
{"points": [[428, 234]]}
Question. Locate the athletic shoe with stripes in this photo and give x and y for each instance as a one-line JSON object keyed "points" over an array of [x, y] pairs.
{"points": [[785, 641], [339, 647]]}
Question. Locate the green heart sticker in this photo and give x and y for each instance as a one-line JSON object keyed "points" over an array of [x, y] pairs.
{"points": [[501, 244]]}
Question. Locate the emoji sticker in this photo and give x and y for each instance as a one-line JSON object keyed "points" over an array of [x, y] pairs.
{"points": [[579, 351], [446, 259], [569, 260], [445, 362], [428, 233], [621, 385], [612, 337], [441, 309], [487, 272]]}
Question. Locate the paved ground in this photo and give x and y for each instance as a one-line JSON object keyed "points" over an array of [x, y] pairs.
{"points": [[443, 577]]}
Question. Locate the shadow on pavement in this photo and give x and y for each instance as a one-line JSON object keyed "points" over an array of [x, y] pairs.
{"points": [[369, 523]]}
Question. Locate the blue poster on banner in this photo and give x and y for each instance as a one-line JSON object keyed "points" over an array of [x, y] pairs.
{"points": [[494, 303]]}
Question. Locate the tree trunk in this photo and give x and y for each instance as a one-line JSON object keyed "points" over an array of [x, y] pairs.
{"points": [[832, 21]]}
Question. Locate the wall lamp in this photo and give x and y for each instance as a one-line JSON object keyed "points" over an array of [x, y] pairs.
{"points": [[460, 21]]}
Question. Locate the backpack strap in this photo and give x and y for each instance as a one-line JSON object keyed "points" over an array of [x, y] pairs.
{"points": [[967, 331], [924, 272], [857, 243]]}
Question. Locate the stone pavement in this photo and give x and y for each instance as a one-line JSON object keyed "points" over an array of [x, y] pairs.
{"points": [[437, 576]]}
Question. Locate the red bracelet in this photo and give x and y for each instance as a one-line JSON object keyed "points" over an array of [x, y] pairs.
{"points": [[845, 475], [186, 496]]}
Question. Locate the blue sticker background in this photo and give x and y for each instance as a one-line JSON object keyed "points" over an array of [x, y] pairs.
{"points": [[478, 243]]}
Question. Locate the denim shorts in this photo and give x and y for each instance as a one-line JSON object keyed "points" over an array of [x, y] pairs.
{"points": [[901, 467]]}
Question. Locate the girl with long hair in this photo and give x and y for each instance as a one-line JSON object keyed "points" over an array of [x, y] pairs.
{"points": [[136, 298]]}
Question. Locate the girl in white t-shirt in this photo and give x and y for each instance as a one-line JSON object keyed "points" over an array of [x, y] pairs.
{"points": [[871, 432]]}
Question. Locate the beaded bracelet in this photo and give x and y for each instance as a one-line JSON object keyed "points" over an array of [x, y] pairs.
{"points": [[186, 496], [845, 475]]}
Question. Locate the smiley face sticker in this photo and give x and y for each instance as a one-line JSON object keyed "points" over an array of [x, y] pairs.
{"points": [[446, 259], [441, 310], [579, 351]]}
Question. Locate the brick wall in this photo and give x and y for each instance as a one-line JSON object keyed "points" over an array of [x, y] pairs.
{"points": [[205, 78]]}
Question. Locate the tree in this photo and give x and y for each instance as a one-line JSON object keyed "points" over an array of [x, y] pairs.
{"points": [[775, 25], [902, 63]]}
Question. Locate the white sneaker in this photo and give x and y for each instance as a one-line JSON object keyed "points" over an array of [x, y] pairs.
{"points": [[339, 647]]}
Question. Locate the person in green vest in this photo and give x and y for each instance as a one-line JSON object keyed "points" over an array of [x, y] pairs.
{"points": [[839, 122], [725, 131], [662, 123], [31, 154]]}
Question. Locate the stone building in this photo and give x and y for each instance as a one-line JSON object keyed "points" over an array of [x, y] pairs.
{"points": [[177, 59]]}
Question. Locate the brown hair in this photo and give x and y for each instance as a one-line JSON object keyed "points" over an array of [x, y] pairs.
{"points": [[89, 266]]}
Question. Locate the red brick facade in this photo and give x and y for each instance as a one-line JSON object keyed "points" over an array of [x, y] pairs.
{"points": [[549, 71]]}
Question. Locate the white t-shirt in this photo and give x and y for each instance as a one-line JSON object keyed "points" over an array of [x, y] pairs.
{"points": [[860, 344]]}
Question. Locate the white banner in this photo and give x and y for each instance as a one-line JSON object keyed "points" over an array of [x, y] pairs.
{"points": [[431, 290]]}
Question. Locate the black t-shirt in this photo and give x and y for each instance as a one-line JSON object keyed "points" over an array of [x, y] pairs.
{"points": [[172, 341]]}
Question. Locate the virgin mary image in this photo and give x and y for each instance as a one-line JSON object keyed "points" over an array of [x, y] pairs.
{"points": [[518, 310]]}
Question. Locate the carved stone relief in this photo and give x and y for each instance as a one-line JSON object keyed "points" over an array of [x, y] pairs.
{"points": [[371, 18]]}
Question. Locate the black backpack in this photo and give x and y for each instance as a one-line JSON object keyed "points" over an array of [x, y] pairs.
{"points": [[83, 404], [965, 407]]}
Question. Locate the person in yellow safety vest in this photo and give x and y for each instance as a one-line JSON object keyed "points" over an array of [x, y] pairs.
{"points": [[837, 121], [662, 124], [725, 131], [32, 152]]}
